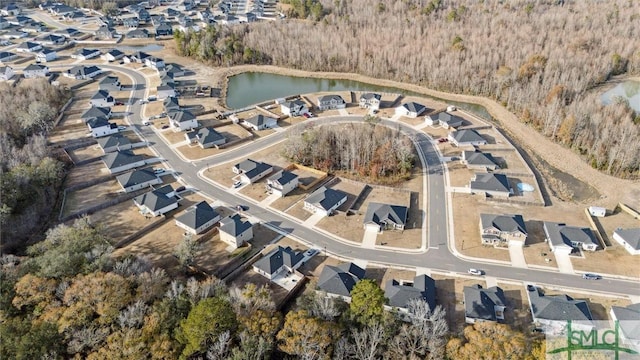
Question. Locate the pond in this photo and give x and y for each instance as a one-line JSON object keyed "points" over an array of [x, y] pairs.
{"points": [[628, 90], [143, 48], [250, 88]]}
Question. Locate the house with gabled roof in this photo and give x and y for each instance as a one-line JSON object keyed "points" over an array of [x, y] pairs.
{"points": [[14, 34], [564, 239], [551, 313], [112, 55], [182, 120], [138, 179], [6, 73], [7, 56], [170, 104], [324, 200], [68, 32], [166, 90], [260, 122], [628, 319], [85, 54], [502, 229], [94, 112], [477, 160], [10, 9], [46, 55], [172, 70], [34, 27], [411, 109], [629, 239], [61, 9], [158, 201], [198, 218], [279, 260], [234, 231], [370, 101], [483, 304], [252, 171], [282, 183], [29, 46], [380, 217], [119, 161], [102, 99], [130, 22], [82, 72], [400, 294], [294, 108], [155, 63], [105, 32], [206, 137], [35, 71], [114, 142], [138, 34], [171, 12], [4, 23], [100, 127], [110, 83], [137, 57], [51, 39], [332, 101], [445, 120], [466, 137], [340, 280], [164, 29], [495, 185]]}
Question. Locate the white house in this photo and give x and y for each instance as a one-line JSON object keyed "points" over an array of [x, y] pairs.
{"points": [[182, 120], [282, 183], [35, 70], [332, 101], [11, 9], [277, 261], [110, 83], [444, 119], [157, 202], [370, 101], [260, 122], [198, 218], [564, 239], [154, 63], [206, 137], [29, 46], [102, 99], [252, 171], [82, 72], [410, 109], [137, 179], [6, 73], [235, 231], [100, 127], [466, 137], [324, 200], [294, 108], [112, 55], [46, 55], [629, 238], [86, 54]]}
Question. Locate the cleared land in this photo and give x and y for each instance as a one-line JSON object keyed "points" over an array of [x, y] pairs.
{"points": [[122, 220], [86, 172], [93, 195], [86, 153]]}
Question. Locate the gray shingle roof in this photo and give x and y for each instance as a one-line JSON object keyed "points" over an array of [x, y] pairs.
{"points": [[205, 135], [385, 213], [182, 116], [558, 307], [135, 177], [96, 111], [109, 80], [234, 225], [113, 140], [98, 122], [279, 257], [424, 287], [629, 320], [450, 119], [291, 104], [156, 199], [101, 94], [327, 98], [83, 70], [414, 107], [479, 158], [198, 215], [120, 158], [479, 303], [258, 120], [467, 136], [283, 177], [86, 52], [491, 182], [340, 279], [252, 168], [326, 198], [506, 223], [34, 67], [630, 236], [369, 96], [561, 234], [170, 103]]}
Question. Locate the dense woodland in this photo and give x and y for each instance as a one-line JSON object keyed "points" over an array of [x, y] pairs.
{"points": [[70, 298], [370, 151], [30, 176], [541, 59]]}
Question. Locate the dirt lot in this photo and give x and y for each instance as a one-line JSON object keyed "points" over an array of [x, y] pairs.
{"points": [[598, 305], [86, 153], [615, 260], [194, 152], [536, 250], [345, 226], [122, 220], [174, 137], [295, 196], [614, 220], [146, 152], [93, 195], [257, 190], [517, 313], [86, 172], [459, 175], [449, 295]]}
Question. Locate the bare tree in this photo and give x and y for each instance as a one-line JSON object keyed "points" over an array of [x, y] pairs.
{"points": [[367, 342], [219, 350]]}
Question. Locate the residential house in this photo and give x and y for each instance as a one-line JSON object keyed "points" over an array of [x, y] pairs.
{"points": [[14, 34], [251, 17], [143, 15], [138, 34], [340, 280], [445, 120], [551, 313], [227, 19], [94, 112], [629, 238], [4, 23], [102, 99], [105, 32], [35, 71], [6, 73], [370, 101], [182, 120], [198, 218], [46, 55], [483, 304], [10, 9], [170, 104], [158, 19], [252, 171], [137, 179], [51, 39], [75, 16], [332, 101], [157, 202], [46, 5], [282, 183], [187, 5], [110, 83], [466, 137], [61, 10], [495, 185], [172, 70], [628, 319], [294, 108], [33, 27], [234, 231], [82, 72], [124, 160], [112, 55], [20, 20], [69, 32], [478, 160], [164, 29], [277, 261], [6, 56], [100, 127], [400, 294], [86, 54], [565, 239], [206, 137], [166, 90], [502, 229], [115, 142], [154, 63], [29, 46], [137, 57], [410, 109], [260, 122], [381, 217], [325, 200], [172, 13], [130, 23]]}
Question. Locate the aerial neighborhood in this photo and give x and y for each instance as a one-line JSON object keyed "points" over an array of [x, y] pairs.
{"points": [[437, 204]]}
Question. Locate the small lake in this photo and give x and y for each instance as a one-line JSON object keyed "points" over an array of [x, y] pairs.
{"points": [[629, 90], [250, 88], [143, 48]]}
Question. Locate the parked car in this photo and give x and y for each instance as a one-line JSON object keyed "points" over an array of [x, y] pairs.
{"points": [[119, 103], [306, 115], [590, 276], [181, 189], [165, 126], [237, 184], [159, 171], [310, 252], [143, 101], [476, 272], [152, 98], [443, 140], [146, 123], [122, 128]]}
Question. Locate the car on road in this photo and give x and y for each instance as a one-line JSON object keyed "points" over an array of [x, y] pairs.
{"points": [[152, 98], [242, 207], [122, 128], [590, 276], [476, 272], [237, 184], [158, 171], [146, 122], [311, 252], [143, 101]]}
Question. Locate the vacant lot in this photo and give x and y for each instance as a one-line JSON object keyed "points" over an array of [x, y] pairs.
{"points": [[122, 220], [90, 171], [517, 313], [194, 151], [459, 175], [615, 260], [449, 294], [174, 137], [256, 191], [346, 226], [616, 219], [93, 195], [86, 153], [537, 251]]}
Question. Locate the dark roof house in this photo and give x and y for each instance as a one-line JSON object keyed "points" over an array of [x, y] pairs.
{"points": [[483, 304], [385, 216], [422, 288], [491, 184], [341, 279]]}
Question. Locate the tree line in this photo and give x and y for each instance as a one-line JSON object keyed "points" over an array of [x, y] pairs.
{"points": [[541, 59], [30, 176], [69, 297], [369, 150]]}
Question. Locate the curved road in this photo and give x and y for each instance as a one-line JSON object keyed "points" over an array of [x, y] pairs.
{"points": [[437, 257]]}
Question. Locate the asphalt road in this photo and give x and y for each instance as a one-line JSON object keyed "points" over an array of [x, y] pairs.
{"points": [[437, 257]]}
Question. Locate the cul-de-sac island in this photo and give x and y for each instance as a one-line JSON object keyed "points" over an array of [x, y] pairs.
{"points": [[263, 179]]}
